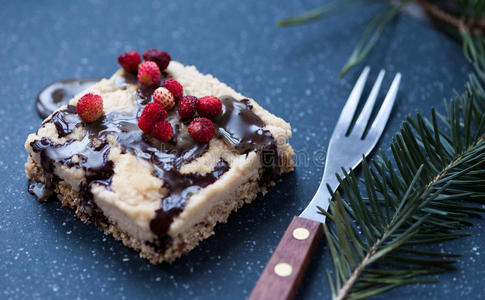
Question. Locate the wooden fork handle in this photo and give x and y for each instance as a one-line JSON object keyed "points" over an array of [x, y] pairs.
{"points": [[282, 275]]}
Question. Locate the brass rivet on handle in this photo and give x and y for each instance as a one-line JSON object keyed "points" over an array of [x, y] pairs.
{"points": [[301, 233], [283, 269]]}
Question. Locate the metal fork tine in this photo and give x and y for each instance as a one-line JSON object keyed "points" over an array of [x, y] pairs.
{"points": [[364, 116], [380, 122], [348, 111], [345, 151]]}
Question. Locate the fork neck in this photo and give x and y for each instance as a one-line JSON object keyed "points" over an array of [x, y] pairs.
{"points": [[311, 212], [330, 178]]}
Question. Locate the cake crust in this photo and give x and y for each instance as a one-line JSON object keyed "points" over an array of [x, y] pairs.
{"points": [[183, 242]]}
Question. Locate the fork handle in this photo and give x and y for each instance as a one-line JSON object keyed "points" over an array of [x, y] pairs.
{"points": [[282, 275]]}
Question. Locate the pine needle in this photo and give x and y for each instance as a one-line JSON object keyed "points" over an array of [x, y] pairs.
{"points": [[371, 35]]}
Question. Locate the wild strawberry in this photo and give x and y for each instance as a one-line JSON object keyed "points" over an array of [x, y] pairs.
{"points": [[90, 107], [175, 87], [209, 106], [149, 73], [129, 61], [152, 113], [187, 107], [163, 131], [202, 130], [161, 58], [164, 96]]}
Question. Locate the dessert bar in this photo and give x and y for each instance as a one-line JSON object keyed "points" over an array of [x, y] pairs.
{"points": [[159, 190]]}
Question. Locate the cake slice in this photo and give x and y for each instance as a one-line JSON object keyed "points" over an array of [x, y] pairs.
{"points": [[160, 199]]}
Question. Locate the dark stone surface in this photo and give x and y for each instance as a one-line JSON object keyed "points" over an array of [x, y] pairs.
{"points": [[46, 253]]}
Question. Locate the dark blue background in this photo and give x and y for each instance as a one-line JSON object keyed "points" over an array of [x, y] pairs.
{"points": [[46, 253]]}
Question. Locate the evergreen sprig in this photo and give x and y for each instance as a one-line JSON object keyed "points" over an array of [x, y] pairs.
{"points": [[456, 17], [423, 195], [371, 34]]}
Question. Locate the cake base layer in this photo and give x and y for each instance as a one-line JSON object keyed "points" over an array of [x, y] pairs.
{"points": [[183, 242]]}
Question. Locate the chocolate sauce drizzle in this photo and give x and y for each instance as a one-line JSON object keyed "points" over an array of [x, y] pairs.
{"points": [[241, 127], [237, 125], [59, 93]]}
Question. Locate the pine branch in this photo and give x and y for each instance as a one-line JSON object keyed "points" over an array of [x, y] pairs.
{"points": [[422, 196], [466, 20], [371, 35], [326, 11]]}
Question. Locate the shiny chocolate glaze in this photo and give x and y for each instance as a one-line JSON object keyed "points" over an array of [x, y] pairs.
{"points": [[59, 93], [237, 125]]}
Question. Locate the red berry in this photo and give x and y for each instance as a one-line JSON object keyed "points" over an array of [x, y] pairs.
{"points": [[129, 61], [164, 97], [175, 87], [148, 73], [162, 58], [152, 113], [202, 130], [187, 107], [163, 131], [209, 106], [90, 107]]}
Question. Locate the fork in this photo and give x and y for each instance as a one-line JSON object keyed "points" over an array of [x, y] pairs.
{"points": [[347, 147]]}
